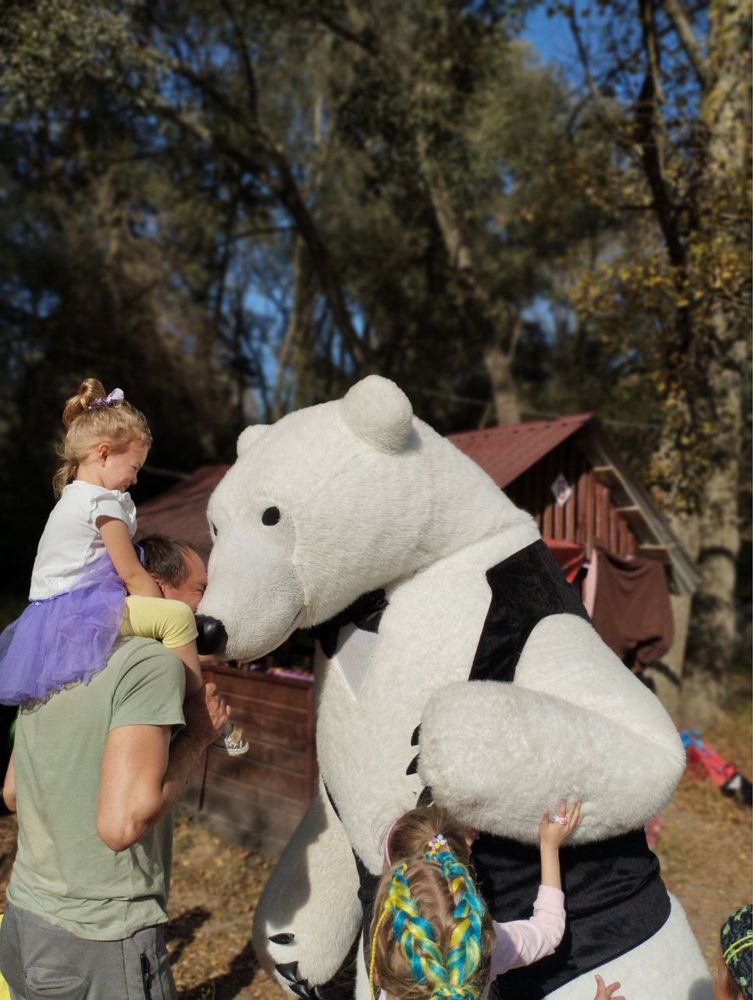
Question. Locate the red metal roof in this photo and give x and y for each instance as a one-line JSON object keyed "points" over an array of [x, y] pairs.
{"points": [[181, 511], [504, 453]]}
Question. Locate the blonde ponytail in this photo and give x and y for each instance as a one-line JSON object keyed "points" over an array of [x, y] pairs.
{"points": [[90, 390]]}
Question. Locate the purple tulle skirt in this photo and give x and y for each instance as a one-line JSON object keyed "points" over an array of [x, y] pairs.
{"points": [[63, 639]]}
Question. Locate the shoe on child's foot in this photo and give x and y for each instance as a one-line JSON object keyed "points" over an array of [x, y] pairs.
{"points": [[231, 742]]}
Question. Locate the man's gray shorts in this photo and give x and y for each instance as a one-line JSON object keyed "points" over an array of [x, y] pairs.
{"points": [[44, 962]]}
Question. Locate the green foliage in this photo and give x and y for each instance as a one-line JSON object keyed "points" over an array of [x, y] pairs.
{"points": [[252, 136], [670, 297]]}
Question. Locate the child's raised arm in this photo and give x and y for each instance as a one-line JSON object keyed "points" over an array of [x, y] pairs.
{"points": [[123, 555], [553, 832]]}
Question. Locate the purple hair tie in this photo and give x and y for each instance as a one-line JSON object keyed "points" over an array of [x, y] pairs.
{"points": [[116, 396]]}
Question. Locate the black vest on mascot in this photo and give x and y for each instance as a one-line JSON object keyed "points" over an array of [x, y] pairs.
{"points": [[614, 896]]}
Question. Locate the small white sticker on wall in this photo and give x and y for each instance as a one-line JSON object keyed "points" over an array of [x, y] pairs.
{"points": [[561, 489]]}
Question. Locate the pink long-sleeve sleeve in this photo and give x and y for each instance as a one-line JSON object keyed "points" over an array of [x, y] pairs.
{"points": [[521, 942]]}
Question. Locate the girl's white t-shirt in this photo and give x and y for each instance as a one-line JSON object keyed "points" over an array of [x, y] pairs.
{"points": [[70, 542]]}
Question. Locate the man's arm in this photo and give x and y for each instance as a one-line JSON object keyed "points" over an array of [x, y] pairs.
{"points": [[9, 786], [143, 774]]}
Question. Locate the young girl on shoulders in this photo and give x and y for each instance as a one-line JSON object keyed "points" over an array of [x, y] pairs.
{"points": [[88, 587], [432, 937]]}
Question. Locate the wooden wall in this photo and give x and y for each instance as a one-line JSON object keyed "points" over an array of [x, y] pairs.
{"points": [[591, 514], [259, 799]]}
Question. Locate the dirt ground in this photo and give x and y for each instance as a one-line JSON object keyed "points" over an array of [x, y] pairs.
{"points": [[704, 846]]}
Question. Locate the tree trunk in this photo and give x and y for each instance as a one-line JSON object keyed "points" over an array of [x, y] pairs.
{"points": [[294, 357], [482, 316], [499, 367], [713, 641], [712, 636]]}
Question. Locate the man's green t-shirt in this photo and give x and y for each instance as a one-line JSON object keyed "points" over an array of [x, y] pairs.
{"points": [[63, 872]]}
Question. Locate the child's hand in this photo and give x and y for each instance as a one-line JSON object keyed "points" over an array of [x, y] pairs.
{"points": [[604, 992], [554, 831]]}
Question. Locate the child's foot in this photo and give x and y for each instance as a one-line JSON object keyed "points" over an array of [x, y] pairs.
{"points": [[231, 742]]}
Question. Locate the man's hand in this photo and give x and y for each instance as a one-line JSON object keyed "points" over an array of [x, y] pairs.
{"points": [[206, 715]]}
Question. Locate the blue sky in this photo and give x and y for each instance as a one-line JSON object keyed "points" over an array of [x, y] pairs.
{"points": [[551, 37]]}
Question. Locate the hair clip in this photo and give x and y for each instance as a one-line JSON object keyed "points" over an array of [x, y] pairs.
{"points": [[116, 396], [437, 843]]}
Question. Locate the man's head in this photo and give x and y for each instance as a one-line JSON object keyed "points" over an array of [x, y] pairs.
{"points": [[178, 570]]}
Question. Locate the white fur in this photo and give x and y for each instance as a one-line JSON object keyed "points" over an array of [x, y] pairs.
{"points": [[379, 413], [567, 734], [249, 436], [317, 868], [369, 499]]}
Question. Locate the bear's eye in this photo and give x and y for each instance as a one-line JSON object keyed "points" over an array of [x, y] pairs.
{"points": [[213, 529], [271, 515]]}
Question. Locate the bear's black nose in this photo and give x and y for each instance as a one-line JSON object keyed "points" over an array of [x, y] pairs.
{"points": [[212, 636]]}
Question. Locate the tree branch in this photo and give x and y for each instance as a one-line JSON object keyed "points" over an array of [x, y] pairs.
{"points": [[651, 47], [248, 69], [681, 23], [601, 105], [648, 136], [273, 170], [365, 42]]}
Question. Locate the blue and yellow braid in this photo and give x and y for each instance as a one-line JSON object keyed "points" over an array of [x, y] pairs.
{"points": [[445, 976], [413, 933], [464, 954]]}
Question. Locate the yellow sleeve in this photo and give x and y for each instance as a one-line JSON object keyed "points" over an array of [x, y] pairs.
{"points": [[172, 622]]}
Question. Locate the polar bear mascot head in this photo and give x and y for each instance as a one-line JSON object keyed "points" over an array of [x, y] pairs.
{"points": [[456, 666], [332, 502]]}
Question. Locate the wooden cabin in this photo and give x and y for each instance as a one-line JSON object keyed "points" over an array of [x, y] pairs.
{"points": [[606, 504], [566, 472]]}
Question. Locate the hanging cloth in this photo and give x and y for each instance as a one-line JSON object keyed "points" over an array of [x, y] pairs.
{"points": [[628, 601]]}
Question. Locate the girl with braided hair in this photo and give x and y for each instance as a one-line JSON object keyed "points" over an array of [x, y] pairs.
{"points": [[432, 937]]}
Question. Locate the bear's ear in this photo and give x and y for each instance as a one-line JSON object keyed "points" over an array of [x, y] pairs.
{"points": [[248, 436], [379, 413]]}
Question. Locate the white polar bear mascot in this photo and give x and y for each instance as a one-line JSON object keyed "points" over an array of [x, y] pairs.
{"points": [[456, 665]]}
